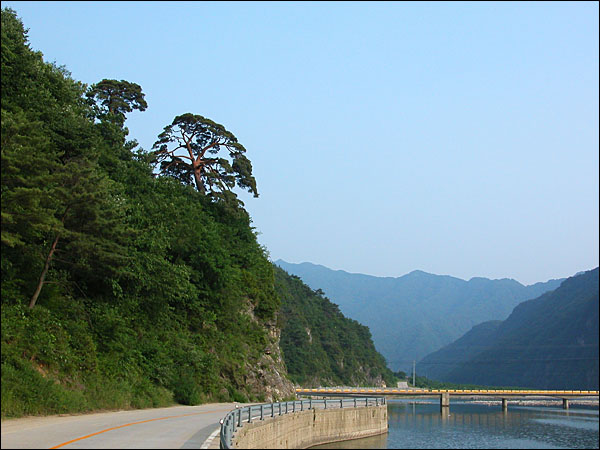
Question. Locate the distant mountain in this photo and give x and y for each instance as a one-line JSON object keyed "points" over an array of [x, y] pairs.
{"points": [[320, 346], [437, 365], [550, 342], [418, 313]]}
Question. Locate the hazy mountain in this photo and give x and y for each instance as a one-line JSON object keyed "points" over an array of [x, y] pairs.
{"points": [[549, 342], [418, 313], [437, 365]]}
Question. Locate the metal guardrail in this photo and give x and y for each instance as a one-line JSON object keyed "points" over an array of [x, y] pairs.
{"points": [[236, 418]]}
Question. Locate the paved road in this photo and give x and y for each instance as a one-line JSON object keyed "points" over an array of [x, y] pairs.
{"points": [[173, 427]]}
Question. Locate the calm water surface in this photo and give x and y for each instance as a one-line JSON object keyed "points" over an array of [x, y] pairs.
{"points": [[472, 425]]}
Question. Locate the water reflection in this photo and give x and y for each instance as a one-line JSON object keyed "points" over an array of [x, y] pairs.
{"points": [[380, 441], [469, 425]]}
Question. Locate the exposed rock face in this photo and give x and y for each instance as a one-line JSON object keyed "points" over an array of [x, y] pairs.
{"points": [[363, 377], [371, 380], [267, 377]]}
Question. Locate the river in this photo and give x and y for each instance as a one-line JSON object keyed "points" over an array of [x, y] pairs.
{"points": [[419, 424]]}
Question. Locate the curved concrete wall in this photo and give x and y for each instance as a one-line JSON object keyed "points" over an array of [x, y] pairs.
{"points": [[312, 427]]}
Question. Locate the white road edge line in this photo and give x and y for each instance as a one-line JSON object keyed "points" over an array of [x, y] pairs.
{"points": [[211, 438]]}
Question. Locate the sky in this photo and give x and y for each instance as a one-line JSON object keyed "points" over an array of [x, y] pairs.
{"points": [[457, 138]]}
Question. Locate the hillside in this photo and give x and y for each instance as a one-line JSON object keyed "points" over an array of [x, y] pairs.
{"points": [[320, 346], [550, 342], [437, 364], [418, 313], [120, 288]]}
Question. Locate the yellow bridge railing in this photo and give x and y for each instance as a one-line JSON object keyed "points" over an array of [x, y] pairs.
{"points": [[417, 391]]}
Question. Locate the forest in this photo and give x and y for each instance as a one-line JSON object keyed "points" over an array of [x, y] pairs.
{"points": [[320, 345], [132, 278]]}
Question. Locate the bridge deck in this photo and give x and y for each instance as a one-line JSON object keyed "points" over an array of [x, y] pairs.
{"points": [[409, 392]]}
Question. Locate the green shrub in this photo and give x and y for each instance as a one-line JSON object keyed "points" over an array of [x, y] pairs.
{"points": [[187, 392], [26, 392]]}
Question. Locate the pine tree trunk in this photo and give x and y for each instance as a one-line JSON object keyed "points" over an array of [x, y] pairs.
{"points": [[199, 183], [38, 289]]}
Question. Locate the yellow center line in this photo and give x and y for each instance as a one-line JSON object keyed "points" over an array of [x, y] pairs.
{"points": [[128, 425]]}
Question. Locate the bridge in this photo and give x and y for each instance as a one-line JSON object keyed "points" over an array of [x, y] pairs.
{"points": [[444, 394]]}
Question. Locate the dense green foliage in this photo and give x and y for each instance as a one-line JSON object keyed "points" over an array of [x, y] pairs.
{"points": [[550, 342], [418, 313], [111, 99], [119, 288], [321, 347]]}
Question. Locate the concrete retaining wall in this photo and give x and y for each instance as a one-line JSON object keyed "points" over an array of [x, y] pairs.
{"points": [[316, 426]]}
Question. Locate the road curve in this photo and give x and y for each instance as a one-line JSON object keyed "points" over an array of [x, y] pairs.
{"points": [[173, 427]]}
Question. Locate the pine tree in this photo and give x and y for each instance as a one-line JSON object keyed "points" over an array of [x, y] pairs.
{"points": [[189, 149]]}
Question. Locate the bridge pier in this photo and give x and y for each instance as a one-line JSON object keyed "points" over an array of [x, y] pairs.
{"points": [[444, 402], [565, 403], [504, 405]]}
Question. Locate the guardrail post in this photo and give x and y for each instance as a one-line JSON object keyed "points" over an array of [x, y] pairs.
{"points": [[376, 401], [279, 408], [310, 403], [239, 411], [341, 403], [325, 403], [249, 414], [301, 405], [262, 412], [223, 433], [355, 402], [286, 407]]}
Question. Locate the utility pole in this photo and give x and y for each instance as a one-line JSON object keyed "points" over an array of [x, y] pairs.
{"points": [[414, 362]]}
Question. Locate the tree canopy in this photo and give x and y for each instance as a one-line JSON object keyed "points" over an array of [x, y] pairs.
{"points": [[191, 149], [114, 98]]}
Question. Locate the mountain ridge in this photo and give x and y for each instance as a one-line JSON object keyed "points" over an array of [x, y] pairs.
{"points": [[416, 272], [548, 342], [415, 314]]}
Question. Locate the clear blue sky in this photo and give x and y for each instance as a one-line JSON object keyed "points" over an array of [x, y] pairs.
{"points": [[454, 138]]}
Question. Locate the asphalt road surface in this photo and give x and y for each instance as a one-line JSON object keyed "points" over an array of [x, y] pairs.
{"points": [[173, 427]]}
